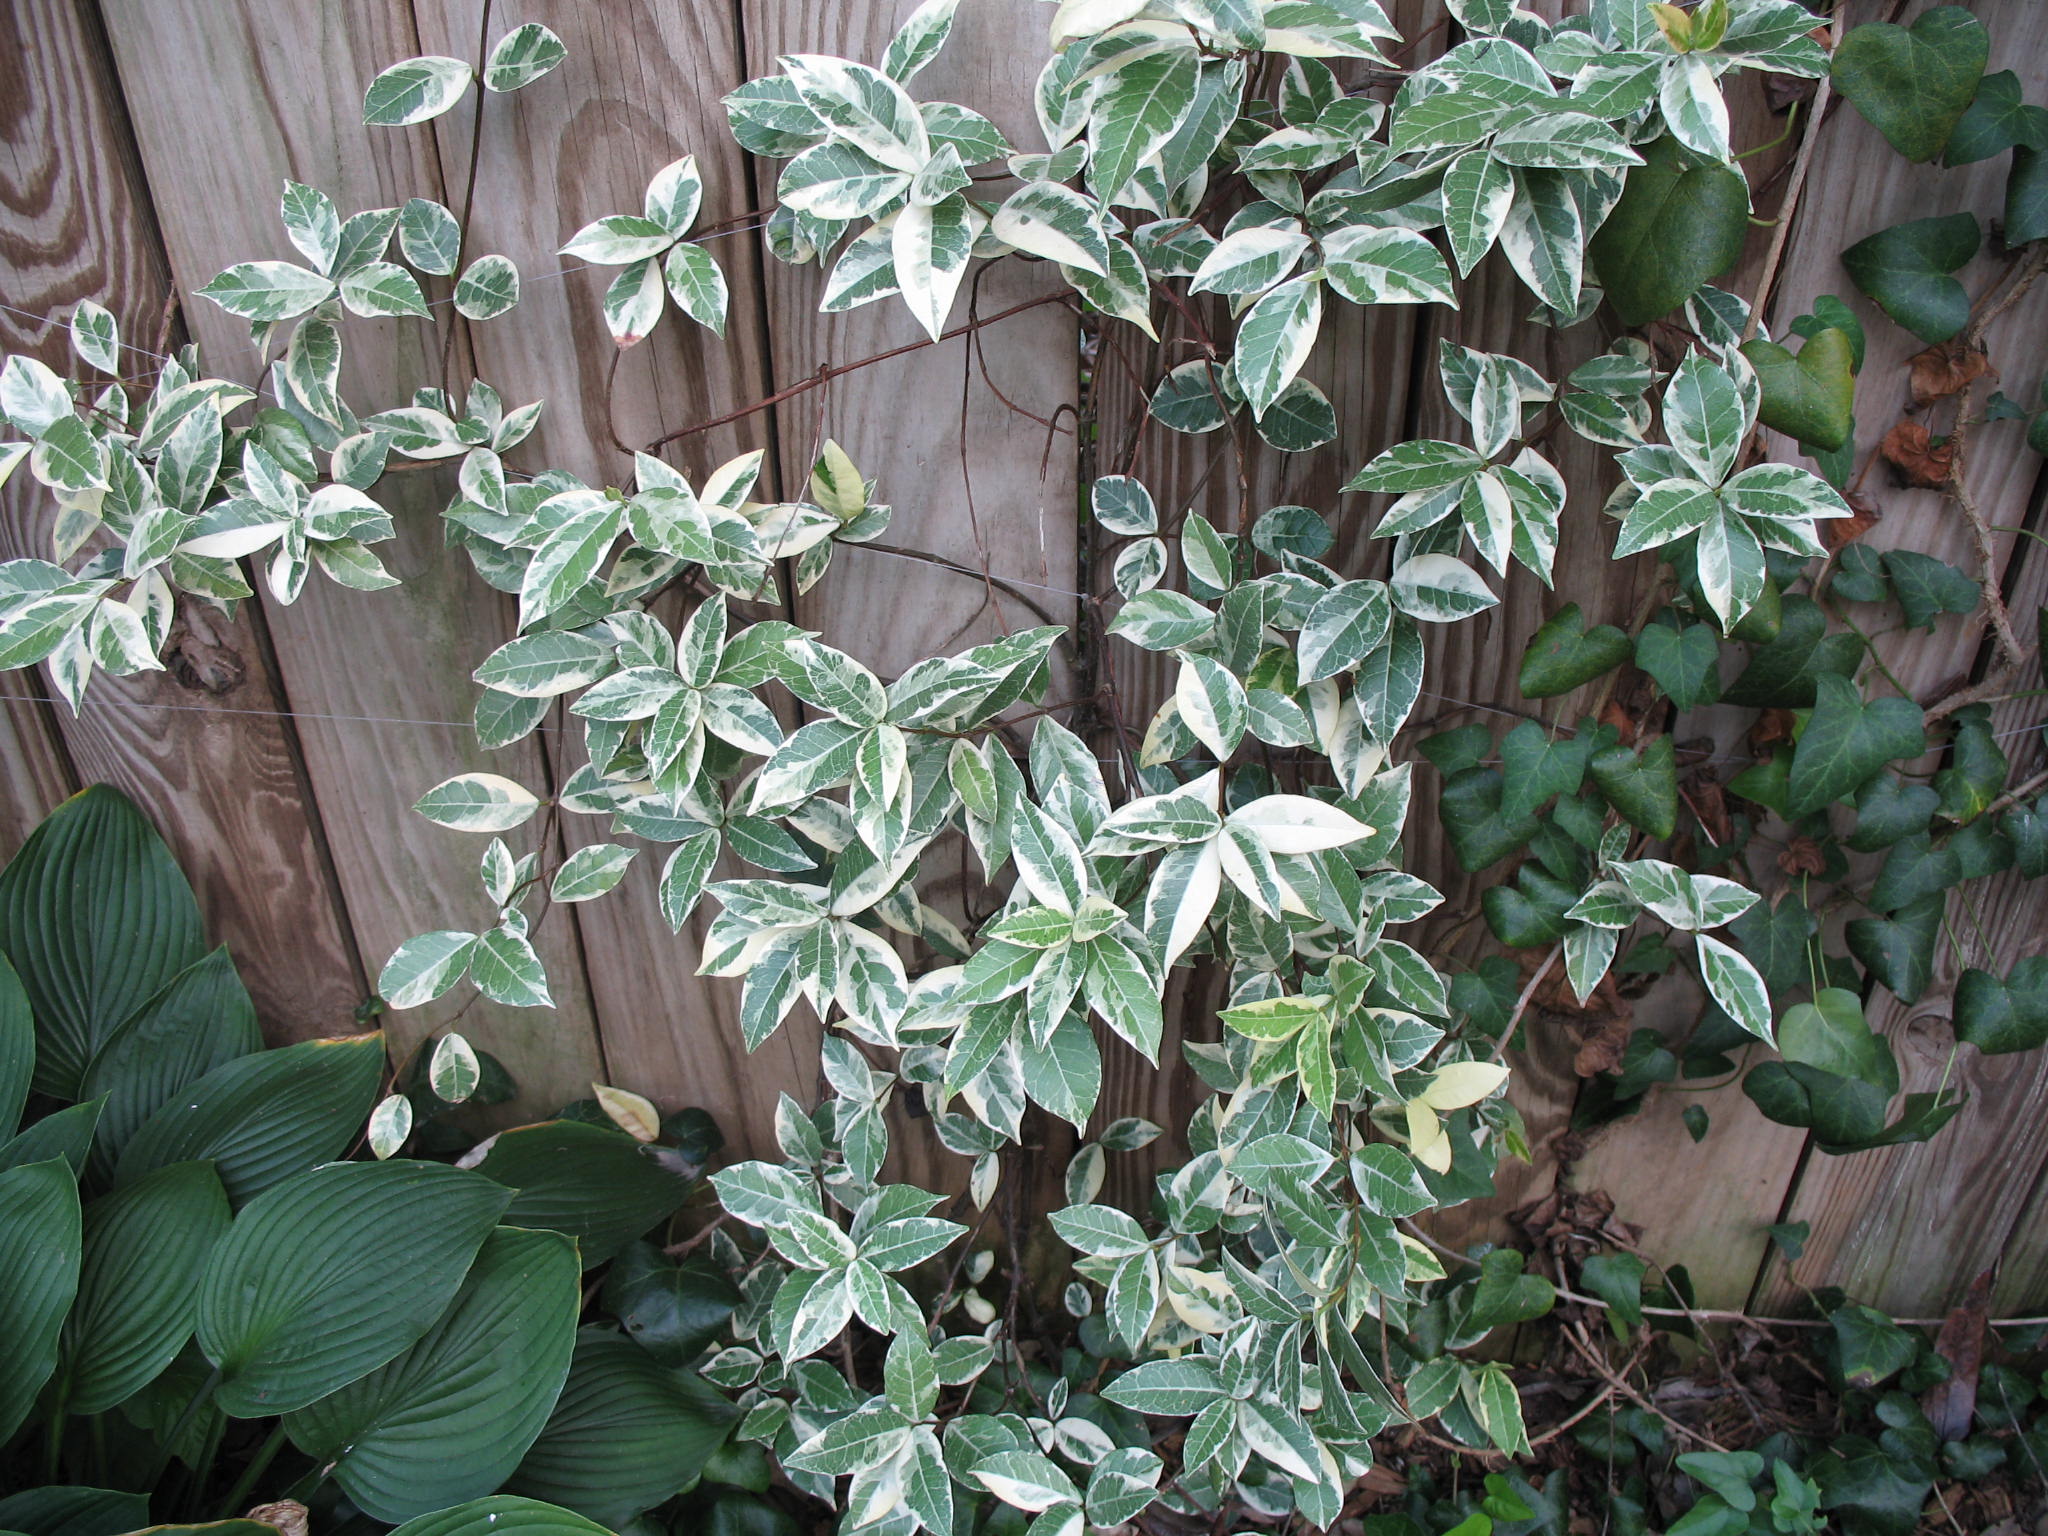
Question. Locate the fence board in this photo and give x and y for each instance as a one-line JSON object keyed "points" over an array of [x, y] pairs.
{"points": [[199, 745], [574, 146], [283, 98]]}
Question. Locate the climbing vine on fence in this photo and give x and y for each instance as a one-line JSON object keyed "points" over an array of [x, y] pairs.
{"points": [[1257, 163]]}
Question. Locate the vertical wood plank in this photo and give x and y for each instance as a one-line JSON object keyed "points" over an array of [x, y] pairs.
{"points": [[970, 480], [641, 86], [283, 97], [200, 746]]}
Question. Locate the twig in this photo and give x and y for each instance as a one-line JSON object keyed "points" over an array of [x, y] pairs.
{"points": [[1500, 1047], [1788, 205], [1591, 1356], [829, 372]]}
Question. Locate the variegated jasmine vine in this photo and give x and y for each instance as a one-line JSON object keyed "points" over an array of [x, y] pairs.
{"points": [[1274, 1296]]}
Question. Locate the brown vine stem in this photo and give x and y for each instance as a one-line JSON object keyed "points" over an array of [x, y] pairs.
{"points": [[829, 372], [1591, 1356], [1788, 205], [1500, 1047]]}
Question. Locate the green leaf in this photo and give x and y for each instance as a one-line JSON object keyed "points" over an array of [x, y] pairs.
{"points": [[329, 1274], [17, 1048], [452, 1416], [522, 56], [1999, 1017], [1998, 120], [146, 1247], [673, 1311], [1914, 84], [1684, 659], [488, 288], [1927, 588], [65, 1134], [598, 1185], [428, 236], [1871, 1346], [1811, 397], [1642, 786], [1139, 107], [1563, 654], [1905, 269], [202, 1020], [697, 285], [414, 91], [267, 290], [39, 1257], [499, 1515], [626, 1434], [74, 1512], [1680, 222], [383, 288], [1534, 767], [96, 918], [1847, 741], [1899, 950], [478, 802], [2026, 209], [264, 1117]]}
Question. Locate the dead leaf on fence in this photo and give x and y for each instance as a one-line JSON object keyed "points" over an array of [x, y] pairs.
{"points": [[1945, 368], [1863, 516], [1917, 457], [1950, 1404], [1802, 856]]}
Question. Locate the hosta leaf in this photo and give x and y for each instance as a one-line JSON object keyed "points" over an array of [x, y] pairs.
{"points": [[594, 1183], [451, 1417], [626, 1434], [501, 1514], [97, 919], [329, 1274], [146, 1246], [39, 1258], [266, 1116]]}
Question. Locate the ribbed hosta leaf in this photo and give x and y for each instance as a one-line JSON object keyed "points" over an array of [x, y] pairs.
{"points": [[333, 1272], [501, 1515], [146, 1246], [97, 918], [451, 1417], [202, 1020], [38, 1277], [17, 1048], [264, 1117], [627, 1433], [73, 1511], [593, 1183]]}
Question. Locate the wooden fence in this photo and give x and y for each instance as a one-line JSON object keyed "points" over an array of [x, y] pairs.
{"points": [[146, 141]]}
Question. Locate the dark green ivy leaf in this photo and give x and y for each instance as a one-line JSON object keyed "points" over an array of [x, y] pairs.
{"points": [[1470, 811], [1997, 120], [1846, 741], [1914, 84], [1977, 768], [2026, 828], [2026, 212], [1564, 653], [1913, 870], [1899, 950], [1870, 1346], [1642, 786], [1927, 588], [1535, 767], [1773, 936], [1999, 1017], [1683, 658], [1679, 223], [1859, 576], [1780, 673], [1887, 809], [1905, 269]]}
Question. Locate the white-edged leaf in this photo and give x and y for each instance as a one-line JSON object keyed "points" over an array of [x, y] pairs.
{"points": [[478, 802]]}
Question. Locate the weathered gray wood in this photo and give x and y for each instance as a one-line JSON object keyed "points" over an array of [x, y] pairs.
{"points": [[283, 87]]}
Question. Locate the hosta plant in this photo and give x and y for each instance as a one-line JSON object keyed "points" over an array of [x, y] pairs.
{"points": [[1213, 176]]}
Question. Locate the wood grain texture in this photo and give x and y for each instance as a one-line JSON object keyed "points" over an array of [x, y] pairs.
{"points": [[1909, 1227], [970, 480], [284, 87], [640, 88], [200, 746]]}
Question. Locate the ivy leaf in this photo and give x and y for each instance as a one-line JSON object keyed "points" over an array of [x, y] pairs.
{"points": [[1914, 84], [1905, 269], [1927, 588], [1535, 767], [2026, 212], [1470, 810], [1997, 1016], [1644, 788], [1684, 659], [1899, 950], [1679, 223], [1811, 397], [1564, 654], [1847, 741], [1998, 120]]}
